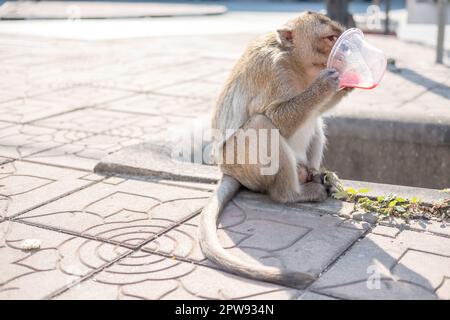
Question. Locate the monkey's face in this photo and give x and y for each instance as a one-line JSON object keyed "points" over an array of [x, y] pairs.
{"points": [[313, 36]]}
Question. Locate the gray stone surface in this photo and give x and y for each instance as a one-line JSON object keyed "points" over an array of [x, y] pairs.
{"points": [[27, 185], [61, 261], [26, 109], [388, 264], [21, 141], [132, 277], [155, 160], [296, 236], [120, 211]]}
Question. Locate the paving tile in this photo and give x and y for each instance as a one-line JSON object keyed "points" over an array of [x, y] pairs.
{"points": [[28, 185], [157, 78], [193, 88], [4, 124], [56, 102], [60, 261], [150, 127], [330, 206], [158, 105], [431, 226], [124, 211], [28, 109], [84, 154], [20, 141], [89, 120], [148, 276], [413, 265], [5, 160], [314, 296], [299, 240]]}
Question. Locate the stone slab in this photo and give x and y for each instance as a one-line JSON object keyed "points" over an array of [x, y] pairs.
{"points": [[154, 159], [61, 261], [161, 105], [21, 141], [391, 264], [299, 239], [101, 10], [148, 276], [27, 185], [25, 110], [121, 211], [83, 154], [4, 160]]}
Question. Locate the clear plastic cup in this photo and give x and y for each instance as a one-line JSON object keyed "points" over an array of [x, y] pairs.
{"points": [[359, 64]]}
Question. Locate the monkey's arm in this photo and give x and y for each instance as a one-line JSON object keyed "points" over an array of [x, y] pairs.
{"points": [[288, 115], [336, 99]]}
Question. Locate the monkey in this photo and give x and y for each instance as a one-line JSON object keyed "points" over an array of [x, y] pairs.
{"points": [[280, 83]]}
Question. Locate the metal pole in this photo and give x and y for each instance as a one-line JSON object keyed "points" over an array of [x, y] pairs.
{"points": [[386, 22], [442, 19]]}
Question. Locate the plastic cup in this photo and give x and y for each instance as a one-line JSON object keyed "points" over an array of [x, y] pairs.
{"points": [[359, 64]]}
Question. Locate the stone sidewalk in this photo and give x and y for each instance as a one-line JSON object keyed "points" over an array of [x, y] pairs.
{"points": [[64, 105]]}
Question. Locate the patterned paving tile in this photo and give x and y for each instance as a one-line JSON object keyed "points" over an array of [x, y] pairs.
{"points": [[5, 160], [195, 88], [30, 109], [5, 124], [23, 140], [156, 78], [89, 120], [151, 128], [299, 240], [124, 211], [61, 261], [148, 276], [158, 105], [391, 264], [28, 185], [83, 154]]}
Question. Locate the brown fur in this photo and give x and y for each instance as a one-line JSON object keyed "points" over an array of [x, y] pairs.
{"points": [[279, 83]]}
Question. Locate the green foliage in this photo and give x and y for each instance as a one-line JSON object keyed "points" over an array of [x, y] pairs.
{"points": [[389, 205]]}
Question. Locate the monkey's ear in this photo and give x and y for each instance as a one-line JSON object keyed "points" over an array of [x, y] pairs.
{"points": [[284, 36]]}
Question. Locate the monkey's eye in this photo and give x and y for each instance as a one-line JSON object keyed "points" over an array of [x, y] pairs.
{"points": [[332, 38]]}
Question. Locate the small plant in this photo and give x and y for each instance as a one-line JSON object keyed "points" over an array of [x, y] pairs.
{"points": [[390, 205]]}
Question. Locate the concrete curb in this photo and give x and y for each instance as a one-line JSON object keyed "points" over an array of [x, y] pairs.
{"points": [[386, 151], [149, 160]]}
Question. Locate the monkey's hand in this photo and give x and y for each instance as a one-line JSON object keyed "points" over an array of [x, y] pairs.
{"points": [[306, 174], [327, 83]]}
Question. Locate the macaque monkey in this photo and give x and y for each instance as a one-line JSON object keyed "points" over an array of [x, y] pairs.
{"points": [[280, 83]]}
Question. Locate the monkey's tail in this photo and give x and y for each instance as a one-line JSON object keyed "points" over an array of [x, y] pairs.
{"points": [[209, 242]]}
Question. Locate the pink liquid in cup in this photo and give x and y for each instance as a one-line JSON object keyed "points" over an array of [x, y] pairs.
{"points": [[359, 64]]}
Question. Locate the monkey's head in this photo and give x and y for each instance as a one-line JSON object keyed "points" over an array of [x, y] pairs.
{"points": [[310, 38]]}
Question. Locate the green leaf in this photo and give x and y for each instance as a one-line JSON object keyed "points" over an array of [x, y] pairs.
{"points": [[392, 203], [363, 200], [351, 191], [363, 190], [380, 199], [399, 199]]}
